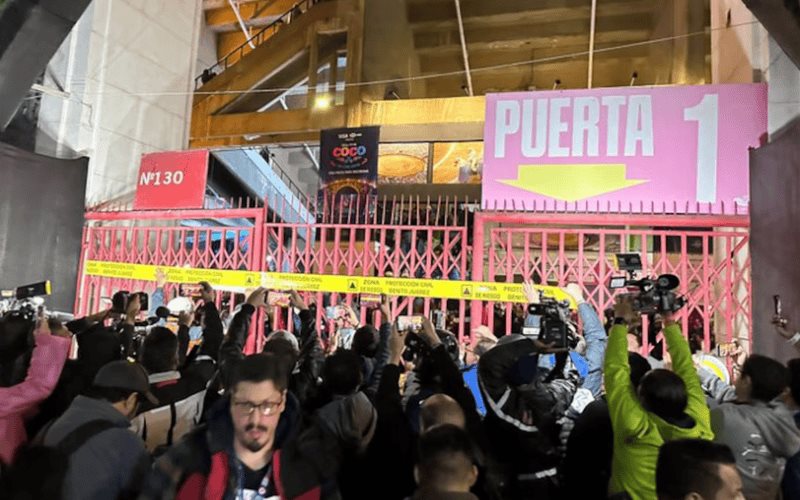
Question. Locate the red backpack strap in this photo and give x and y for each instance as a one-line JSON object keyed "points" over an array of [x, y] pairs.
{"points": [[218, 476], [276, 473], [312, 494], [192, 488]]}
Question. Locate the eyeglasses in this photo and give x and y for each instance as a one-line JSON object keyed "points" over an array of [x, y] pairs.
{"points": [[266, 408]]}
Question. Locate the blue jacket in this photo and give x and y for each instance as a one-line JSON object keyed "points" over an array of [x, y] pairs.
{"points": [[590, 366]]}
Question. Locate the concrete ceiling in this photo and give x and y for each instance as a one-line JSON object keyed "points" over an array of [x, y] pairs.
{"points": [[557, 31], [782, 20]]}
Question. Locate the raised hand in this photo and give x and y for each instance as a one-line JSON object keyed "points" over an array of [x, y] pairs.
{"points": [[531, 294], [161, 278], [781, 325], [258, 298], [574, 290], [428, 333], [386, 309], [397, 343], [133, 309], [297, 301]]}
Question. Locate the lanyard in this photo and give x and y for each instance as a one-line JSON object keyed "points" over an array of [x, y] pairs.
{"points": [[262, 488]]}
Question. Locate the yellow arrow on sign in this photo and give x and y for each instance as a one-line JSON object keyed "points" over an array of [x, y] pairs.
{"points": [[572, 182]]}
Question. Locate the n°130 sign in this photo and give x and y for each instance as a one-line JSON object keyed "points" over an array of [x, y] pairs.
{"points": [[172, 180]]}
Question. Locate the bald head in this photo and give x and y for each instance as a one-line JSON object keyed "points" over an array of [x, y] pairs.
{"points": [[440, 409]]}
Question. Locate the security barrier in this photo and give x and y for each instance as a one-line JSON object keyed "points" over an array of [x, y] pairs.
{"points": [[436, 245]]}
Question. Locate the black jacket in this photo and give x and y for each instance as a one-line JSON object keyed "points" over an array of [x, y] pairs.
{"points": [[522, 417], [306, 373], [203, 464], [181, 393], [587, 466]]}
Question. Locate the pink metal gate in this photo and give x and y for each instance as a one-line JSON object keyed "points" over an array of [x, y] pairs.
{"points": [[428, 238], [211, 238], [709, 254], [357, 236]]}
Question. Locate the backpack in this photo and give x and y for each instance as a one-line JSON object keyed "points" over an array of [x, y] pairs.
{"points": [[39, 471]]}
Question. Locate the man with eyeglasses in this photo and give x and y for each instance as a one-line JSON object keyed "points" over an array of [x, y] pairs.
{"points": [[253, 447]]}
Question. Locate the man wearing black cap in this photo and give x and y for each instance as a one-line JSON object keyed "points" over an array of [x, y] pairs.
{"points": [[112, 461]]}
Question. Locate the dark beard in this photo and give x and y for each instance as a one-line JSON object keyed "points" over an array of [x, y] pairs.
{"points": [[254, 446]]}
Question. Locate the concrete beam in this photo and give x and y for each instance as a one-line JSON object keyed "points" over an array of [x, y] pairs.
{"points": [[609, 72], [495, 35], [254, 14], [426, 11], [265, 60], [443, 58], [216, 4], [275, 122], [544, 13]]}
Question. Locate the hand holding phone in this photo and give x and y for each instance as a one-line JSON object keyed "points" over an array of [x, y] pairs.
{"points": [[330, 312], [724, 349], [370, 301], [278, 299], [409, 324]]}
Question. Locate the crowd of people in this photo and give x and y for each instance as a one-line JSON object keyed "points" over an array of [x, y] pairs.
{"points": [[103, 407]]}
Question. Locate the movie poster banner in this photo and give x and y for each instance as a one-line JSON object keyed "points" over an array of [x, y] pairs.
{"points": [[349, 161]]}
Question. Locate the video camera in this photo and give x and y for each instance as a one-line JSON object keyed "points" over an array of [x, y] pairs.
{"points": [[121, 299], [416, 348], [654, 295], [554, 321], [25, 300]]}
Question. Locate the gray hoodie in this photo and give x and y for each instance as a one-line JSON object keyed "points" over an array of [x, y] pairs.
{"points": [[762, 436], [112, 464], [352, 419]]}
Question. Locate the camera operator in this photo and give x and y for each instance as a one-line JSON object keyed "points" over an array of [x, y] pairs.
{"points": [[31, 360], [666, 405], [179, 386], [524, 404], [437, 396], [97, 346]]}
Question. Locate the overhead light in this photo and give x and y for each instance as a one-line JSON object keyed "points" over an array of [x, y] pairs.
{"points": [[322, 102]]}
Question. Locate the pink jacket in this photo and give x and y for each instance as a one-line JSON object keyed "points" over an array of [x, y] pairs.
{"points": [[16, 402]]}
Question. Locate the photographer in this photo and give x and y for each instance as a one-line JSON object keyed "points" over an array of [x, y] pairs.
{"points": [[97, 346], [392, 449], [524, 404], [667, 405], [180, 387], [30, 364]]}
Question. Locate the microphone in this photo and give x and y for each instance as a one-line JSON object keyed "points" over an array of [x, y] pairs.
{"points": [[163, 313]]}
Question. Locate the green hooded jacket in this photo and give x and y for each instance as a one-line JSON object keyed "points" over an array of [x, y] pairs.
{"points": [[638, 434]]}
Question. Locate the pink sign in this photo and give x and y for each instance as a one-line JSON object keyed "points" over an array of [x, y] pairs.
{"points": [[637, 149]]}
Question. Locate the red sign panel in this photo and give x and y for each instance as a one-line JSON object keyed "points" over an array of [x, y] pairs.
{"points": [[174, 179]]}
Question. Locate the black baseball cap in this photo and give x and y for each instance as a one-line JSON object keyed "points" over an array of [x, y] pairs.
{"points": [[125, 374]]}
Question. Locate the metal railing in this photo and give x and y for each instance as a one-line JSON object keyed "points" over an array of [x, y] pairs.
{"points": [[265, 33], [283, 176]]}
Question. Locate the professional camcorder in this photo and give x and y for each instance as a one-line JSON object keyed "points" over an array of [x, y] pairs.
{"points": [[28, 302], [655, 295], [554, 321], [121, 299], [416, 348]]}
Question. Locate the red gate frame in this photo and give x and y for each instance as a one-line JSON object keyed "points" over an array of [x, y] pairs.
{"points": [[155, 255], [269, 222], [555, 221]]}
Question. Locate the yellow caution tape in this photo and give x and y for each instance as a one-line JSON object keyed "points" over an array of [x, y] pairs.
{"points": [[401, 287]]}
